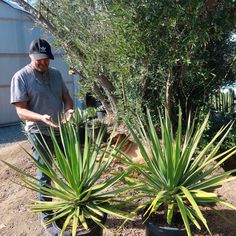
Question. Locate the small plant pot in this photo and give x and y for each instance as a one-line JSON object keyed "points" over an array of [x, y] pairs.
{"points": [[94, 230], [93, 132], [101, 114], [82, 134], [156, 225], [152, 229]]}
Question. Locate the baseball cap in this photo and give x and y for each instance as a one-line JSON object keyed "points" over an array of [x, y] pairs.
{"points": [[40, 49]]}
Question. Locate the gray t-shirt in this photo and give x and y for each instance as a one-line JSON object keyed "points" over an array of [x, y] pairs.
{"points": [[43, 92]]}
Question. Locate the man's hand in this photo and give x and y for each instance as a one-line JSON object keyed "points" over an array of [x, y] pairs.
{"points": [[69, 114], [25, 114], [48, 120]]}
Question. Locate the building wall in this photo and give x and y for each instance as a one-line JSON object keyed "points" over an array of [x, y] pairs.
{"points": [[17, 30]]}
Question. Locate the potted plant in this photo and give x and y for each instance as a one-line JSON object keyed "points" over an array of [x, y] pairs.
{"points": [[81, 196], [87, 118], [176, 178], [100, 112]]}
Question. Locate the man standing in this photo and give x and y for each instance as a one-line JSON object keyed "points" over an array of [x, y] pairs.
{"points": [[40, 95]]}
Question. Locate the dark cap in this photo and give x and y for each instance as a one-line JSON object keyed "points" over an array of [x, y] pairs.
{"points": [[40, 49]]}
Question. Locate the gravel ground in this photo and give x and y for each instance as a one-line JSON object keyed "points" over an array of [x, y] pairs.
{"points": [[11, 134]]}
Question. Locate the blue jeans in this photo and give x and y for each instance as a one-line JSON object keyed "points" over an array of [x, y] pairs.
{"points": [[38, 141]]}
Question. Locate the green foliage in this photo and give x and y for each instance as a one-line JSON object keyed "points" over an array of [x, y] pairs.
{"points": [[215, 122], [176, 176], [223, 101], [90, 112], [79, 118], [152, 52]]}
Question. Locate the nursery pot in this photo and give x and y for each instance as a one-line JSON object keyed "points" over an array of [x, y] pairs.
{"points": [[101, 114], [93, 132], [94, 229], [82, 134], [153, 229], [156, 225]]}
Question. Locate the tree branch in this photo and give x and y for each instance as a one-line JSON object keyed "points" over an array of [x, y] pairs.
{"points": [[40, 18], [101, 98], [109, 89]]}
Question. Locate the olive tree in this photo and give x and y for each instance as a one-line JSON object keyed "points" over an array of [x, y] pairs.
{"points": [[144, 53]]}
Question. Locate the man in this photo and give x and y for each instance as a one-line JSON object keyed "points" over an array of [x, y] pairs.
{"points": [[40, 95]]}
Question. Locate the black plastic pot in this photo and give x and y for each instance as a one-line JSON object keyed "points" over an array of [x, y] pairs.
{"points": [[155, 225], [154, 230], [82, 134], [94, 230], [101, 114]]}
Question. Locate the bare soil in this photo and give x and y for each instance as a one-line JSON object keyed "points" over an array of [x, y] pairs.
{"points": [[17, 220]]}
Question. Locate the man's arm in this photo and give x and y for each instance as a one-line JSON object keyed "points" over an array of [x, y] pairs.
{"points": [[68, 105], [25, 114], [68, 102]]}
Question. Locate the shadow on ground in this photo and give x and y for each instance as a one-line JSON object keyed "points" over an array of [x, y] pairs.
{"points": [[221, 223], [11, 134]]}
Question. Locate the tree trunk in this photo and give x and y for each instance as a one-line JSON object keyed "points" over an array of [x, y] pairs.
{"points": [[101, 98], [170, 102], [110, 91]]}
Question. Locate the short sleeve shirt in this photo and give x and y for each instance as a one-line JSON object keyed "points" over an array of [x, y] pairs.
{"points": [[43, 93]]}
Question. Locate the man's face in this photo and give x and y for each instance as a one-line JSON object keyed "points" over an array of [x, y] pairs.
{"points": [[40, 65]]}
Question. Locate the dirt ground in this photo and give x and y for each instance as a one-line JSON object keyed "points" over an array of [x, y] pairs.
{"points": [[17, 220]]}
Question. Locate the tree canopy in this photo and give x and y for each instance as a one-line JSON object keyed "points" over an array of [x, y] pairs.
{"points": [[145, 53]]}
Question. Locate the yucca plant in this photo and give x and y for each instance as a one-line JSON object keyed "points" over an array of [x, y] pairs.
{"points": [[176, 176], [79, 191]]}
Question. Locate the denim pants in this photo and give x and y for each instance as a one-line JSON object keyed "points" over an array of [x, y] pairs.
{"points": [[39, 141]]}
